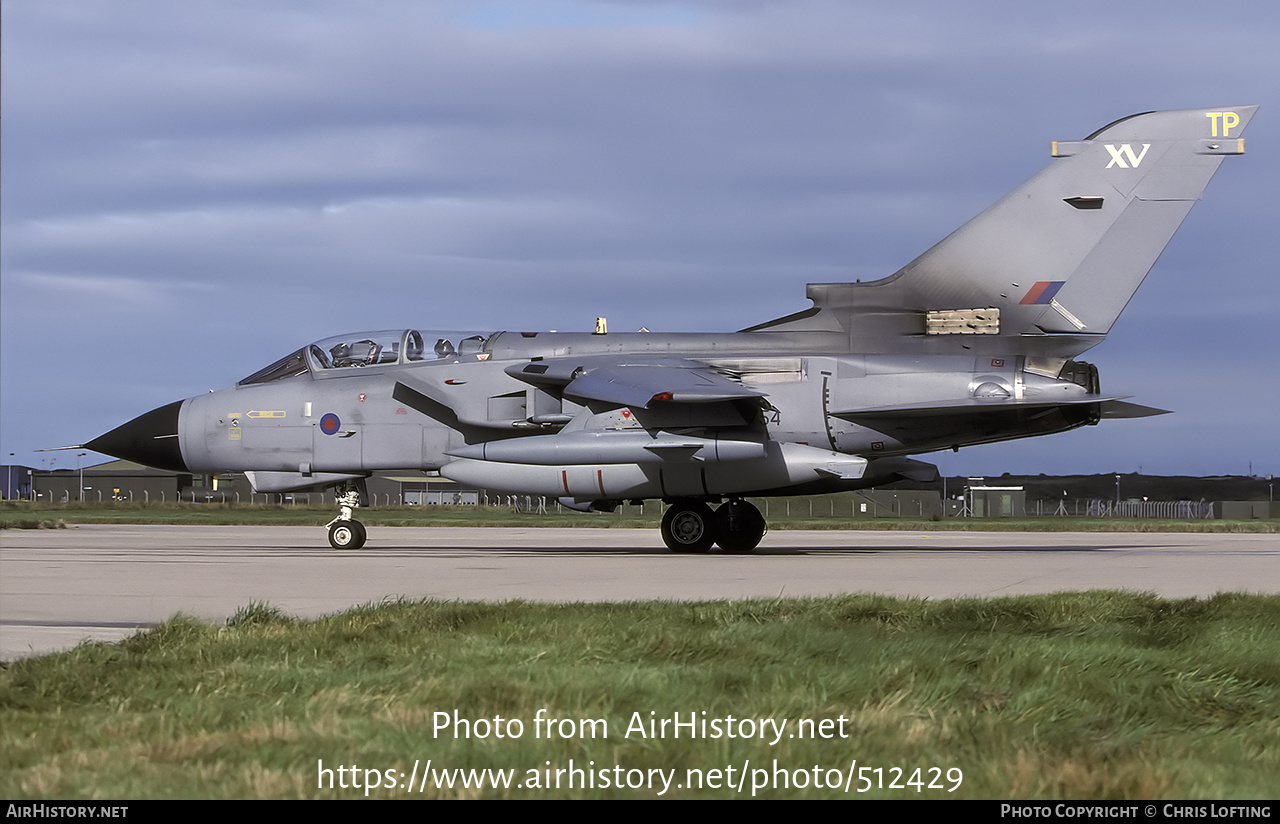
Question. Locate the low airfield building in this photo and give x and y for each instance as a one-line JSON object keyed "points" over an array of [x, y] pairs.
{"points": [[111, 481], [15, 482]]}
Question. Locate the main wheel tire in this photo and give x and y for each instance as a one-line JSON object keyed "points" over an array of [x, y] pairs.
{"points": [[688, 527], [739, 526], [347, 535]]}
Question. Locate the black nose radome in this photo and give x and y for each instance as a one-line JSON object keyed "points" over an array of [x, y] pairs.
{"points": [[150, 439]]}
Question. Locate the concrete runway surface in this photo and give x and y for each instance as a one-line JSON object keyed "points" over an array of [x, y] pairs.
{"points": [[58, 587]]}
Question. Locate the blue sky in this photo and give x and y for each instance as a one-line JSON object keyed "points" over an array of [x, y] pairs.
{"points": [[190, 191]]}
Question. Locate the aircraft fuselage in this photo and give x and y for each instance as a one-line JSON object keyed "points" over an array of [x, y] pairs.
{"points": [[410, 415]]}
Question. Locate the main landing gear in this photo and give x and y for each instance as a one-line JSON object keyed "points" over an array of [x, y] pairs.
{"points": [[691, 526], [344, 532]]}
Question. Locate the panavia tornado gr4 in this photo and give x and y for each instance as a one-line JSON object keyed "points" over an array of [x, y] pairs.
{"points": [[973, 342]]}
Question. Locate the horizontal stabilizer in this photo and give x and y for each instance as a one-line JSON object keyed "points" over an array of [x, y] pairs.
{"points": [[1122, 409], [887, 470], [968, 406]]}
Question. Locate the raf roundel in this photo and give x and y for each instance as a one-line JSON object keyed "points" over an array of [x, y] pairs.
{"points": [[329, 424]]}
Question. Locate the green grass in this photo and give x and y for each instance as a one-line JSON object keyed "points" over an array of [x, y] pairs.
{"points": [[1075, 695], [25, 515]]}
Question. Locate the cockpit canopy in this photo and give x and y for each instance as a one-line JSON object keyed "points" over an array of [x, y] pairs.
{"points": [[363, 349]]}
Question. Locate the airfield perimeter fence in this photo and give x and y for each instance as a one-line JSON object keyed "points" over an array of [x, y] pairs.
{"points": [[1099, 508], [857, 505], [188, 496]]}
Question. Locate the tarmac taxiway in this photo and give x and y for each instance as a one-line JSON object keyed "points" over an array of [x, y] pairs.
{"points": [[104, 582]]}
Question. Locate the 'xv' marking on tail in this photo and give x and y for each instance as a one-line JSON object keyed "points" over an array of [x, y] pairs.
{"points": [[1125, 152]]}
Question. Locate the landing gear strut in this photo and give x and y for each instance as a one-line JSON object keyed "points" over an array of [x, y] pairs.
{"points": [[691, 526], [345, 532]]}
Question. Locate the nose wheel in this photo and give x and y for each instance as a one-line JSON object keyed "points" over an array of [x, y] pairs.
{"points": [[345, 534]]}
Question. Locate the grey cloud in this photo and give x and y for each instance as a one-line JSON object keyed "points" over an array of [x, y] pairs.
{"points": [[275, 171]]}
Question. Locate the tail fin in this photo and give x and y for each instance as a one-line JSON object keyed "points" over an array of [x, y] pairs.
{"points": [[1060, 255]]}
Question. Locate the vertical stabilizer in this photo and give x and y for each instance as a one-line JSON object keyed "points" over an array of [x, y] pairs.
{"points": [[1064, 252]]}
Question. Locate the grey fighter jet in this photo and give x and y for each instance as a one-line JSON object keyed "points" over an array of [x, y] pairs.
{"points": [[975, 341]]}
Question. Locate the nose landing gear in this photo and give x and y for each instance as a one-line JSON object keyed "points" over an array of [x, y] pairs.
{"points": [[344, 531]]}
